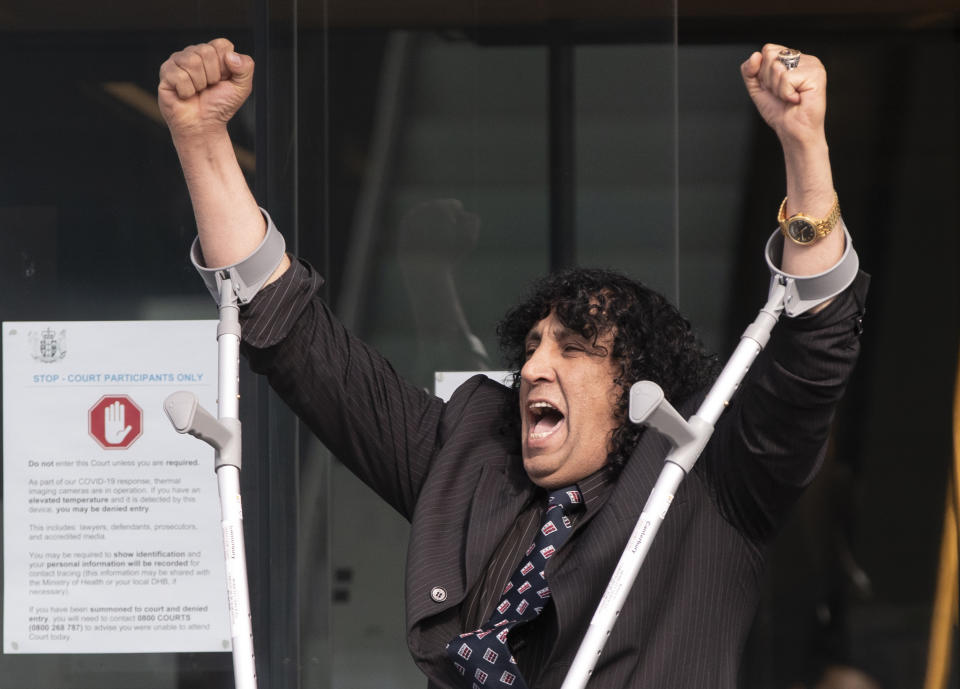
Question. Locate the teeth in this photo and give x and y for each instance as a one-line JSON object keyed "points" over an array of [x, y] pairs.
{"points": [[537, 411], [538, 407]]}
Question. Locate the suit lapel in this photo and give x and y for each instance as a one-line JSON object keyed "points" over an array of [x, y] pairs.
{"points": [[639, 477], [622, 504], [501, 492]]}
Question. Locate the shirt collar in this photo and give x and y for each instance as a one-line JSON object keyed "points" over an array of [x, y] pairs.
{"points": [[596, 487]]}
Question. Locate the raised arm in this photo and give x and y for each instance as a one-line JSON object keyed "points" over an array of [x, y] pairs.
{"points": [[201, 88], [770, 442], [793, 102]]}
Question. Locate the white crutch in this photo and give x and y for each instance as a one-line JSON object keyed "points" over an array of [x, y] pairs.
{"points": [[791, 294], [230, 286]]}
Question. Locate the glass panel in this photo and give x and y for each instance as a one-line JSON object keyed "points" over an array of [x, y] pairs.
{"points": [[626, 160], [567, 133], [95, 226], [433, 155], [716, 132], [812, 616], [848, 597], [454, 156]]}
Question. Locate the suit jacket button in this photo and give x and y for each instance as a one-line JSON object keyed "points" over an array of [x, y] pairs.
{"points": [[439, 594]]}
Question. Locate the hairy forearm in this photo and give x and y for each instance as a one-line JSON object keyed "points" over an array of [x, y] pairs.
{"points": [[229, 222], [810, 191]]}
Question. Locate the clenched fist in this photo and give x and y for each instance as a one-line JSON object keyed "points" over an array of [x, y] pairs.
{"points": [[793, 102], [202, 87]]}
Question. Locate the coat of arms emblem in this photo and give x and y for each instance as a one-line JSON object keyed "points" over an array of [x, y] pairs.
{"points": [[48, 345]]}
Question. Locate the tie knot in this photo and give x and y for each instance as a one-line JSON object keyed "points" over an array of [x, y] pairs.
{"points": [[569, 499]]}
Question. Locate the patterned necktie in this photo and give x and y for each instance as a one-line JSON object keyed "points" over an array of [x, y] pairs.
{"points": [[482, 657]]}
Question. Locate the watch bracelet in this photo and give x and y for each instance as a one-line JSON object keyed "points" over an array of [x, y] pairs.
{"points": [[823, 226]]}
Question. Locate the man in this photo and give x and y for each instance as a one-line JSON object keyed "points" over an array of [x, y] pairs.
{"points": [[473, 475]]}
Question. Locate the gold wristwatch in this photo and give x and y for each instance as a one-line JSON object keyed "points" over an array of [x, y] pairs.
{"points": [[802, 229]]}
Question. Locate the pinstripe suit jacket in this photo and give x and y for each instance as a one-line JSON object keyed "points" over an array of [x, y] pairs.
{"points": [[454, 470]]}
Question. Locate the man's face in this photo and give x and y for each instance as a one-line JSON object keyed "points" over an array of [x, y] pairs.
{"points": [[567, 403]]}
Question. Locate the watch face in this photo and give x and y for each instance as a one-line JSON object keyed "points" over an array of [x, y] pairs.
{"points": [[802, 231]]}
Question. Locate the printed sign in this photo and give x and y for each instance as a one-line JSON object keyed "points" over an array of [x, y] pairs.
{"points": [[446, 382], [111, 519]]}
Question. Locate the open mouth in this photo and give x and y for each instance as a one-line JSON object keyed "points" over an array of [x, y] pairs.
{"points": [[545, 419]]}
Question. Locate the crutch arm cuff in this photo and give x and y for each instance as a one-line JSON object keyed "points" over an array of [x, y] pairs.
{"points": [[803, 292], [249, 274]]}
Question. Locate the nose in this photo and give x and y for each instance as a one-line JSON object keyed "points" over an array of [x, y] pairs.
{"points": [[539, 366]]}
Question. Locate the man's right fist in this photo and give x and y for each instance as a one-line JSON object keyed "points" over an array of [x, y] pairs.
{"points": [[202, 86]]}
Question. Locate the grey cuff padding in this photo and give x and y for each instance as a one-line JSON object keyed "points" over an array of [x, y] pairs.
{"points": [[249, 274], [803, 292]]}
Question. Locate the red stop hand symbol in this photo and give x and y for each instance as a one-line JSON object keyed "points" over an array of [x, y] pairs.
{"points": [[115, 422]]}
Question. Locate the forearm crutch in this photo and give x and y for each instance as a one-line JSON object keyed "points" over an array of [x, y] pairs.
{"points": [[790, 294], [230, 286]]}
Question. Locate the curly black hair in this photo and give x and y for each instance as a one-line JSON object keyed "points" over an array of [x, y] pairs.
{"points": [[651, 340]]}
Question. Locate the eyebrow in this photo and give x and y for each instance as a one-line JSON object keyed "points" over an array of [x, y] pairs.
{"points": [[559, 332]]}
